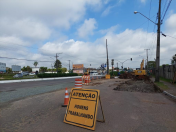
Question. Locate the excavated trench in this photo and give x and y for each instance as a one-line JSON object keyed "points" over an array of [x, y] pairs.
{"points": [[137, 86]]}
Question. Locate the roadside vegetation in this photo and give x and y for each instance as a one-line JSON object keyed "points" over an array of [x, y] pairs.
{"points": [[10, 77], [161, 85], [48, 75]]}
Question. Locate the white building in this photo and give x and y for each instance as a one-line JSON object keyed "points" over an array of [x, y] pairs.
{"points": [[34, 69], [2, 67]]}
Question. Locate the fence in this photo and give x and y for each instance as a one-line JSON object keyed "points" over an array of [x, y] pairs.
{"points": [[166, 71]]}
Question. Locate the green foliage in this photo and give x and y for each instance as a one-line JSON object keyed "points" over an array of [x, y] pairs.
{"points": [[161, 85], [35, 63], [28, 68], [114, 73], [43, 69], [9, 70], [122, 72], [58, 63], [64, 70], [151, 64], [45, 75]]}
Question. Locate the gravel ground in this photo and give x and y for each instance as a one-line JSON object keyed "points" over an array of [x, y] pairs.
{"points": [[137, 86]]}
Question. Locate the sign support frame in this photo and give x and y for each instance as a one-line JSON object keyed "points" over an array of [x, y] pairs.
{"points": [[102, 112]]}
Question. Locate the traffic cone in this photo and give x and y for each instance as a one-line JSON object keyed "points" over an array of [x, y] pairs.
{"points": [[66, 98]]}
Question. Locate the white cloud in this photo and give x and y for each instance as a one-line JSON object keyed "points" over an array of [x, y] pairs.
{"points": [[109, 30], [122, 46], [25, 28], [54, 12], [87, 28], [171, 24]]}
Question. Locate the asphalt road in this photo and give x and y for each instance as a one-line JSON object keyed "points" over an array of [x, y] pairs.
{"points": [[10, 92], [4, 87], [124, 112]]}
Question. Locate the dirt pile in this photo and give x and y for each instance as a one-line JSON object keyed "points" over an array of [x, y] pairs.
{"points": [[137, 86], [126, 76]]}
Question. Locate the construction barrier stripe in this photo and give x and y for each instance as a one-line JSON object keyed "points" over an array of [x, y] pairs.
{"points": [[78, 84], [66, 96], [77, 81]]}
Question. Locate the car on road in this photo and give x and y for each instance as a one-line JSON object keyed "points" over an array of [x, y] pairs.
{"points": [[18, 75]]}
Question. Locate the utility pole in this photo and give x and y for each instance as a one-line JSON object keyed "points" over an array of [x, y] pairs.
{"points": [[52, 68], [158, 45], [112, 63], [107, 58], [69, 66], [147, 57]]}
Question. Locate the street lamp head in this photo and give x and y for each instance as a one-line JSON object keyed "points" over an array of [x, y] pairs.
{"points": [[135, 12]]}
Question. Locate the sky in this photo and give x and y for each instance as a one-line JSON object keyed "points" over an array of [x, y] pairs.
{"points": [[35, 30]]}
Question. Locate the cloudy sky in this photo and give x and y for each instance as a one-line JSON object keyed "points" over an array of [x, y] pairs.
{"points": [[77, 30]]}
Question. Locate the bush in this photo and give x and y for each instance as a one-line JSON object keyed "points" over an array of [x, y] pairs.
{"points": [[115, 73], [46, 75]]}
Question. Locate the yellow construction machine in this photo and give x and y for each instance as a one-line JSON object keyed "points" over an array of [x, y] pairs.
{"points": [[141, 73], [87, 72]]}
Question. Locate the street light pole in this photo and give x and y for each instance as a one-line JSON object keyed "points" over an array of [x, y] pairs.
{"points": [[158, 41], [107, 58]]}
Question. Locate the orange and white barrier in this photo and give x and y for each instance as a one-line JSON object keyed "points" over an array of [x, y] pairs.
{"points": [[66, 99], [78, 83], [86, 81]]}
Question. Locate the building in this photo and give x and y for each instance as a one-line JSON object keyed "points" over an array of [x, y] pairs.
{"points": [[35, 69], [2, 67], [16, 68]]}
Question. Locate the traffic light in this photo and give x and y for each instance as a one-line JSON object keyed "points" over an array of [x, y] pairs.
{"points": [[131, 59], [122, 67]]}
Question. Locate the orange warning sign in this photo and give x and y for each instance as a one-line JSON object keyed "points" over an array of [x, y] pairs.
{"points": [[82, 108]]}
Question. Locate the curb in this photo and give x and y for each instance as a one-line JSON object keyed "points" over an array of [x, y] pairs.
{"points": [[164, 92], [170, 95]]}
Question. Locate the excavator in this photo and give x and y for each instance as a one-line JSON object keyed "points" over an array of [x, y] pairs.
{"points": [[141, 73], [87, 72]]}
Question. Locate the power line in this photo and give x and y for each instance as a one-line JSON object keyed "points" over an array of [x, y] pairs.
{"points": [[166, 10], [164, 7], [167, 35], [23, 59]]}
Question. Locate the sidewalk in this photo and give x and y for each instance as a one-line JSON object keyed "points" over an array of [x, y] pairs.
{"points": [[171, 88]]}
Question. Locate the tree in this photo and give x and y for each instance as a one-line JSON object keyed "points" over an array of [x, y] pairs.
{"points": [[9, 70], [173, 60], [151, 64], [58, 63], [35, 63], [64, 69], [43, 69], [28, 68]]}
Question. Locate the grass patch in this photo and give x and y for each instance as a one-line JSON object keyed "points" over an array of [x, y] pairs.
{"points": [[2, 78], [161, 85], [166, 80]]}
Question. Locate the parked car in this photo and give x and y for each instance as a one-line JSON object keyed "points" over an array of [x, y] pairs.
{"points": [[32, 73], [18, 75], [25, 73]]}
